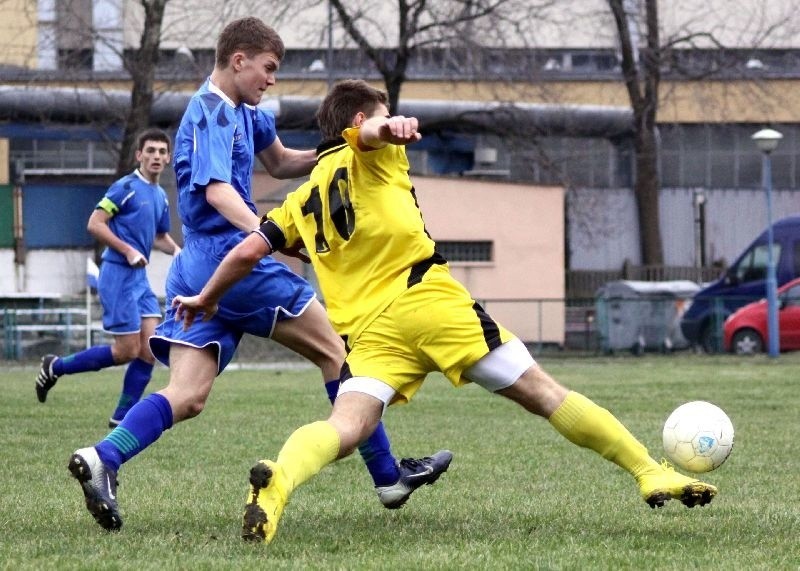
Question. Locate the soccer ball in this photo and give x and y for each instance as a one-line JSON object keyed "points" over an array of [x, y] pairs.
{"points": [[698, 436]]}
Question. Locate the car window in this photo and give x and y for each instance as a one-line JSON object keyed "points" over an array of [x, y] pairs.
{"points": [[753, 265], [792, 296], [797, 258]]}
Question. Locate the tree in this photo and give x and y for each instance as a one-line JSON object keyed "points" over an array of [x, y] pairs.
{"points": [[142, 68], [424, 24], [641, 72]]}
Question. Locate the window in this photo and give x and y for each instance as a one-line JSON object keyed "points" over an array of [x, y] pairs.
{"points": [[465, 251], [791, 297], [753, 266]]}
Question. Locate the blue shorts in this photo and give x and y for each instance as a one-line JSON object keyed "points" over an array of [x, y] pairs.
{"points": [[270, 293], [126, 297]]}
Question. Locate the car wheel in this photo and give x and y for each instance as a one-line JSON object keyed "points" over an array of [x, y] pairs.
{"points": [[747, 342], [707, 340]]}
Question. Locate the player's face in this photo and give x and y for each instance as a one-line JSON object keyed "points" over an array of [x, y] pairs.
{"points": [[254, 75], [153, 158], [380, 111]]}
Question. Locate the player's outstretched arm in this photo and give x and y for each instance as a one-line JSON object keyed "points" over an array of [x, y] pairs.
{"points": [[377, 132], [237, 264]]}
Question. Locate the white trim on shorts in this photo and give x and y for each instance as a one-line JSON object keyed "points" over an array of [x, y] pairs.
{"points": [[172, 341], [501, 367], [280, 309], [369, 386]]}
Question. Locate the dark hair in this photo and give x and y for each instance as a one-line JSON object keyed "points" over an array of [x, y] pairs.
{"points": [[152, 134], [248, 35], [344, 100]]}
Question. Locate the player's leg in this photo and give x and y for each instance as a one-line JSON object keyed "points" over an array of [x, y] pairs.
{"points": [[309, 449], [192, 373], [94, 358], [137, 374], [117, 289], [311, 335], [466, 343], [586, 424]]}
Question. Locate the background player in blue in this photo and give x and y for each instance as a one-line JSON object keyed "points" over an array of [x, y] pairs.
{"points": [[221, 133], [131, 219]]}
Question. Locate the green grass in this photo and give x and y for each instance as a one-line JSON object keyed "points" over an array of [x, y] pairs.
{"points": [[517, 496]]}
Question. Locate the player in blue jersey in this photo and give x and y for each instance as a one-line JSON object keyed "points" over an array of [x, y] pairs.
{"points": [[220, 135], [130, 220]]}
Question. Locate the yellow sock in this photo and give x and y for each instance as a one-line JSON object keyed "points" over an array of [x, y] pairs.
{"points": [[309, 449], [586, 424]]}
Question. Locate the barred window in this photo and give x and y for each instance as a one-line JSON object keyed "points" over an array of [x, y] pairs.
{"points": [[464, 251]]}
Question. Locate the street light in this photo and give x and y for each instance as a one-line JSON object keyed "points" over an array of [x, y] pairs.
{"points": [[767, 141]]}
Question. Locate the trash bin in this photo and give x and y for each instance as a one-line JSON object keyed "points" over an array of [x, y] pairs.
{"points": [[642, 316]]}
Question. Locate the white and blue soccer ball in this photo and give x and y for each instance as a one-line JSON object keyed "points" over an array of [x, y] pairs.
{"points": [[698, 436]]}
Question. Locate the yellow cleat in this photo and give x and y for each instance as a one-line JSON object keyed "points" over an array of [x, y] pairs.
{"points": [[664, 483], [265, 502]]}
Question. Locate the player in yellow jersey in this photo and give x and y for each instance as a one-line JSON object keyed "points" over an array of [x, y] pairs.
{"points": [[402, 314]]}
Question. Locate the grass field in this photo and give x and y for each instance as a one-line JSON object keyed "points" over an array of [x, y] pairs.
{"points": [[517, 495]]}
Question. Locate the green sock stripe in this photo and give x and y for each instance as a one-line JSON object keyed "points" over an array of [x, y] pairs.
{"points": [[123, 439]]}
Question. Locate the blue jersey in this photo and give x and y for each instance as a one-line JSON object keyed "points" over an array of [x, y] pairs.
{"points": [[139, 210], [217, 141]]}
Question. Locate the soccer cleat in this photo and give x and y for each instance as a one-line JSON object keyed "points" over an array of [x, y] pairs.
{"points": [[664, 484], [99, 486], [113, 422], [413, 474], [265, 502], [46, 377]]}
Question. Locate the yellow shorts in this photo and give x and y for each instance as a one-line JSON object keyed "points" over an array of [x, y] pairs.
{"points": [[433, 326]]}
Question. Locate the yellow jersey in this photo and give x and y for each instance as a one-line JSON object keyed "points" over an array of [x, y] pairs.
{"points": [[360, 222]]}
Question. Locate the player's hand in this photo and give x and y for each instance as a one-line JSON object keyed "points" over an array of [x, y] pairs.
{"points": [[399, 130], [187, 308], [296, 251], [135, 258]]}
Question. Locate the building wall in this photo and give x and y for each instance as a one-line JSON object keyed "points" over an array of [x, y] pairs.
{"points": [[603, 230], [526, 226], [18, 32], [63, 272]]}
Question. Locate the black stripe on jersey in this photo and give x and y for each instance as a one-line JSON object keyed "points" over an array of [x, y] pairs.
{"points": [[416, 203], [491, 333], [419, 269], [273, 234], [330, 146]]}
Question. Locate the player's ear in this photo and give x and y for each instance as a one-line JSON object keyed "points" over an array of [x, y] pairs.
{"points": [[359, 119], [237, 60]]}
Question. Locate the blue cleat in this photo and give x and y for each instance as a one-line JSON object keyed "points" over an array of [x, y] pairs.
{"points": [[413, 474]]}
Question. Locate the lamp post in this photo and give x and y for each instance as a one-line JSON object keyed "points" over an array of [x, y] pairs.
{"points": [[767, 141]]}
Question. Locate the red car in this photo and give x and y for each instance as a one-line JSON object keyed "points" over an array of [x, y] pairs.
{"points": [[745, 331]]}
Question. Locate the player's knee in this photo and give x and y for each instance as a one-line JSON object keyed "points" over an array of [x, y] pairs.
{"points": [[193, 408], [125, 352], [536, 391]]}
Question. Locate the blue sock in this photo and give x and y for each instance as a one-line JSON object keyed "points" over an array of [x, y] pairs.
{"points": [[142, 426], [375, 450], [137, 375], [92, 359]]}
